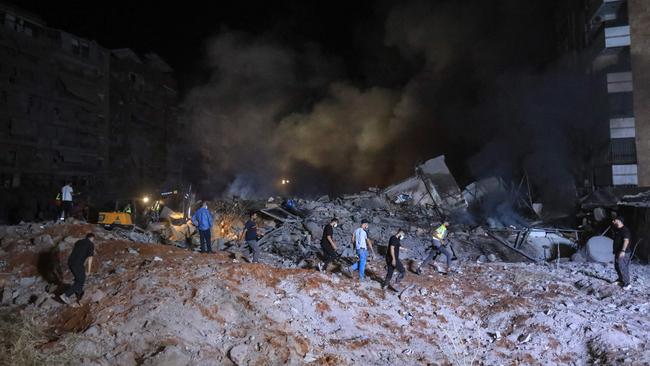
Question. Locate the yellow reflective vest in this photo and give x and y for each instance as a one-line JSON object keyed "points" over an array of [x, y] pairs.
{"points": [[440, 233]]}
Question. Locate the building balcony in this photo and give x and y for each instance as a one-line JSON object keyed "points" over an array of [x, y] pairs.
{"points": [[621, 128], [619, 82], [610, 46], [625, 175]]}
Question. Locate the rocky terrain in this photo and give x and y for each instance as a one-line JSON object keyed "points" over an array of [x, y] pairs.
{"points": [[152, 304]]}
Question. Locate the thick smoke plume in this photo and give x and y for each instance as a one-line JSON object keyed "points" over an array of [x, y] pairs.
{"points": [[484, 92]]}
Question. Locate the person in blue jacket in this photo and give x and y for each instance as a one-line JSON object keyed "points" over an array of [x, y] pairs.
{"points": [[203, 222]]}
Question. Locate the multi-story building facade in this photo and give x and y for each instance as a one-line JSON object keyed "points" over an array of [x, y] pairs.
{"points": [[143, 106], [639, 15], [54, 106], [73, 110], [615, 31]]}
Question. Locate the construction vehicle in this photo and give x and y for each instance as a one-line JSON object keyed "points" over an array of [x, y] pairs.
{"points": [[123, 218], [139, 212]]}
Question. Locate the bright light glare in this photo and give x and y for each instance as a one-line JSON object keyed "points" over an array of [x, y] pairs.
{"points": [[145, 199]]}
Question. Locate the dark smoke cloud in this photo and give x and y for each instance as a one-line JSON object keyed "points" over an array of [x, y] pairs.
{"points": [[480, 90], [253, 83]]}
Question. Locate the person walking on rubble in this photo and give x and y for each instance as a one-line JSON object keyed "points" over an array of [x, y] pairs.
{"points": [[440, 245], [328, 245], [80, 263], [622, 252], [392, 258], [361, 244], [202, 220], [66, 200], [250, 236]]}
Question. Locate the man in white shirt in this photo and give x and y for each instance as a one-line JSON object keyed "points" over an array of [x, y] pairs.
{"points": [[361, 244], [66, 200]]}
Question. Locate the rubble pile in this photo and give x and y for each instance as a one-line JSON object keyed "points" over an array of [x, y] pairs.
{"points": [[292, 239], [154, 304]]}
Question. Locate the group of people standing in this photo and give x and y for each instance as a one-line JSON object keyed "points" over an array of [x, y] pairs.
{"points": [[362, 244]]}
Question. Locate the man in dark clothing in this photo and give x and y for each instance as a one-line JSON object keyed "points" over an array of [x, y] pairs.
{"points": [[328, 245], [622, 252], [392, 258], [80, 263], [250, 236]]}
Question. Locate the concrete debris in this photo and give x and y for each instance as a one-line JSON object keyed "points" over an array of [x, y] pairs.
{"points": [[600, 249], [474, 192], [206, 309], [433, 184]]}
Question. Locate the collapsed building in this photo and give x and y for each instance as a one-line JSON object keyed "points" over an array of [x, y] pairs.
{"points": [[511, 230]]}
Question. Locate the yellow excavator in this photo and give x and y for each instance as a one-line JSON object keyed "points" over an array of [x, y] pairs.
{"points": [[122, 217], [131, 212]]}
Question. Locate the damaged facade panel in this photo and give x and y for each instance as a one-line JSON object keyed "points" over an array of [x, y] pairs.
{"points": [[433, 184]]}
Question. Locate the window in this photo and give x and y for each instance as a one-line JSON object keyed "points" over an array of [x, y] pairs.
{"points": [[617, 36], [624, 175], [619, 82], [621, 104], [623, 151], [622, 128]]}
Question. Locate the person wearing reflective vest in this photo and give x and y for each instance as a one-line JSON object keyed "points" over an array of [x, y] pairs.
{"points": [[440, 245]]}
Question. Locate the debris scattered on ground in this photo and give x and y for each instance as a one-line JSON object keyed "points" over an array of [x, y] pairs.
{"points": [[207, 309]]}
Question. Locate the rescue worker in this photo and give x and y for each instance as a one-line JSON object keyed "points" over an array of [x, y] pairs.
{"points": [[440, 245], [392, 258], [202, 220]]}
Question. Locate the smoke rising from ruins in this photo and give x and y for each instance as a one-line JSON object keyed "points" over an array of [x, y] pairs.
{"points": [[270, 110]]}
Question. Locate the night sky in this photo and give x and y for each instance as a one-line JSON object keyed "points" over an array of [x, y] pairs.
{"points": [[479, 81], [178, 32], [349, 30]]}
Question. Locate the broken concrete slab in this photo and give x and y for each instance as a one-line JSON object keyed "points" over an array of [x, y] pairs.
{"points": [[600, 249], [433, 184]]}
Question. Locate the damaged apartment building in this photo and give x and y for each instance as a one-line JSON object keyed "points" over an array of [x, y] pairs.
{"points": [[615, 34], [71, 109]]}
